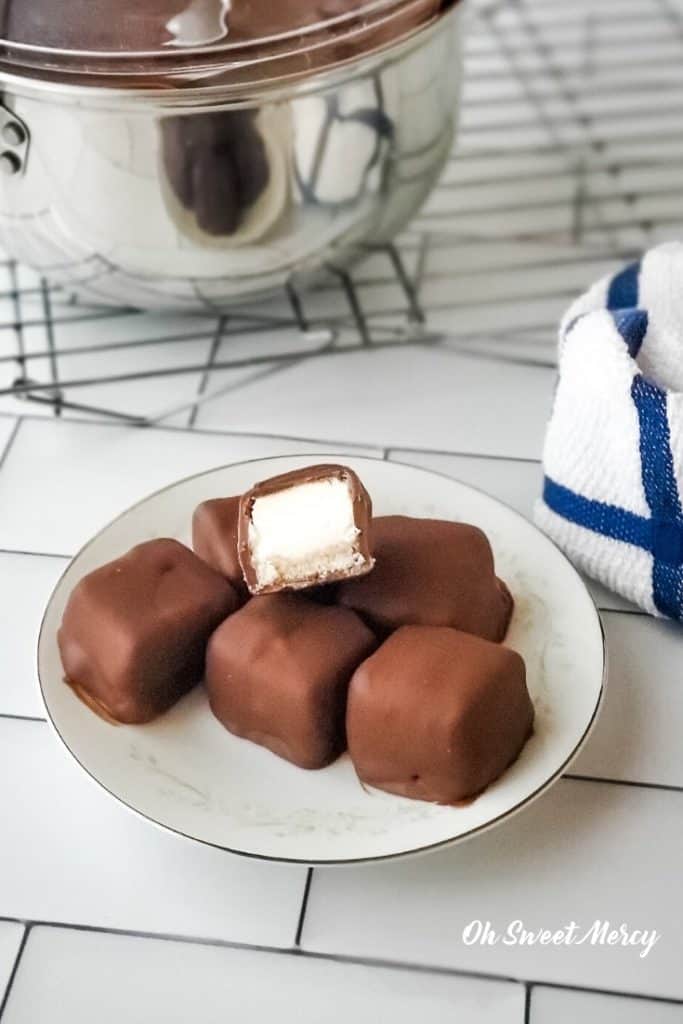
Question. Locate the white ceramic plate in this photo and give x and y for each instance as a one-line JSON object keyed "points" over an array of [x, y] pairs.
{"points": [[186, 773]]}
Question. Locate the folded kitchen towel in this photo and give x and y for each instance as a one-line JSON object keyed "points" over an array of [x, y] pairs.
{"points": [[613, 458]]}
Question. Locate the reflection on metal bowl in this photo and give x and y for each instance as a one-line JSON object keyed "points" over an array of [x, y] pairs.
{"points": [[196, 198]]}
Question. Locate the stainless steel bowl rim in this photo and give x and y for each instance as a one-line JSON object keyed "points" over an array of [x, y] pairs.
{"points": [[97, 199]]}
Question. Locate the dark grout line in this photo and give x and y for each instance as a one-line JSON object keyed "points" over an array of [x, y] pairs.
{"points": [[456, 347], [304, 907], [203, 432], [136, 933], [21, 718], [344, 959], [15, 968], [388, 452], [638, 612], [558, 986], [398, 450], [35, 554], [660, 786], [415, 968], [10, 441], [205, 377]]}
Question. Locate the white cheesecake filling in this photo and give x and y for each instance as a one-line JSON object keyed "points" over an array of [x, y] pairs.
{"points": [[304, 533]]}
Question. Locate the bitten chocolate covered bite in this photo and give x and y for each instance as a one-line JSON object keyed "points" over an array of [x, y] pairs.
{"points": [[430, 573], [278, 672], [214, 539], [437, 714], [305, 528], [134, 634]]}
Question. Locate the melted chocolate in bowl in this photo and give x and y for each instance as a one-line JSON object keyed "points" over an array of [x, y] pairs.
{"points": [[130, 27], [96, 38]]}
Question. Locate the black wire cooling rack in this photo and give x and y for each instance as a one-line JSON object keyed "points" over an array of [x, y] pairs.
{"points": [[569, 160]]}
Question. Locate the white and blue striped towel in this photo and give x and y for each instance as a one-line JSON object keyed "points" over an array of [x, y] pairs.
{"points": [[613, 458]]}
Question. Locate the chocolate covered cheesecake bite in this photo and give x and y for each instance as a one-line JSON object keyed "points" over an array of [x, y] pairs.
{"points": [[278, 672], [214, 539], [305, 528], [430, 573], [437, 715], [134, 633]]}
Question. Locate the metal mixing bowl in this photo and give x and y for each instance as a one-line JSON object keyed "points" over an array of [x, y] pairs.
{"points": [[195, 198]]}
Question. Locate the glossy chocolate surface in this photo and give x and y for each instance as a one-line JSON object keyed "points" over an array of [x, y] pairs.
{"points": [[134, 633], [430, 572], [128, 26], [278, 672], [170, 43], [362, 511], [214, 539], [437, 715]]}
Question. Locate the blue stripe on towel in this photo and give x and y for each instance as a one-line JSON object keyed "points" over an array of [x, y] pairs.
{"points": [[661, 538], [662, 534], [632, 325], [608, 520], [623, 290], [661, 492]]}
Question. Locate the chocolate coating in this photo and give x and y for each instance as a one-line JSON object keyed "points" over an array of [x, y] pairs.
{"points": [[214, 539], [164, 36], [278, 672], [437, 714], [134, 634], [362, 510], [430, 573], [88, 24], [129, 25]]}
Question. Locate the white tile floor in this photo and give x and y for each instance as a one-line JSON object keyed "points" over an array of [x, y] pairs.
{"points": [[517, 482], [584, 852], [11, 935], [569, 163], [21, 609], [638, 735], [553, 1006], [71, 975], [75, 856], [92, 472], [399, 397], [7, 427]]}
